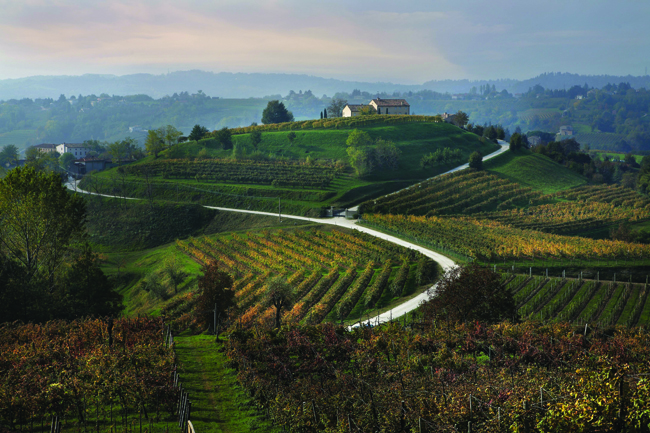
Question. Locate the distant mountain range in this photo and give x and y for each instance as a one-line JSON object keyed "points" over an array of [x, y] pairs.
{"points": [[242, 85]]}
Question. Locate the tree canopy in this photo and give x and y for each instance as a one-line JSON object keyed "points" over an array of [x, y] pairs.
{"points": [[471, 293], [279, 294], [198, 132], [276, 112], [48, 270], [476, 161], [214, 289]]}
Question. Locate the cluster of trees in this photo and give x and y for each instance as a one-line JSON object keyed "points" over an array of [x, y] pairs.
{"points": [[599, 170], [47, 268], [367, 155], [161, 138], [518, 141], [445, 155], [491, 132]]}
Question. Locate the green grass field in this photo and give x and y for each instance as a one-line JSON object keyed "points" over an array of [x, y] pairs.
{"points": [[219, 404], [599, 140], [18, 138], [535, 171]]}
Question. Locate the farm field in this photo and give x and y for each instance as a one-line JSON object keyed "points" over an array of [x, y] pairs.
{"points": [[535, 171], [279, 169], [338, 276], [577, 301], [491, 241], [599, 140], [18, 138], [88, 373], [461, 192], [476, 376]]}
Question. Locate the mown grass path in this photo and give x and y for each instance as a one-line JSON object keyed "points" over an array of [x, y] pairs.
{"points": [[219, 405]]}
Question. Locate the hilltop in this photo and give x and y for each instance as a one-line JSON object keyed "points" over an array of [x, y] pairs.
{"points": [[308, 174]]}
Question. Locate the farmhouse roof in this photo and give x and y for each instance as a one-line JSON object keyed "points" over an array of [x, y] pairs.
{"points": [[45, 146], [391, 102], [356, 107], [73, 145]]}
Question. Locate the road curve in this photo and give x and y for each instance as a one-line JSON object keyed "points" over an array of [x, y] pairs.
{"points": [[404, 308]]}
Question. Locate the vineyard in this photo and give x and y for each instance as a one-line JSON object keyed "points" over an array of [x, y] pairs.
{"points": [[600, 140], [541, 113], [88, 374], [336, 275], [617, 195], [492, 241], [447, 378], [276, 173], [465, 192], [339, 123], [580, 301], [568, 217]]}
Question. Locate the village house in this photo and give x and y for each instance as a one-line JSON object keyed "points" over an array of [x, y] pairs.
{"points": [[535, 140], [449, 118], [78, 150], [566, 130], [353, 110], [380, 106], [45, 148], [391, 106]]}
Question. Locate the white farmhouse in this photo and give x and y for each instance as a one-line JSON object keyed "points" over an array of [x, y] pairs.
{"points": [[391, 106], [78, 150], [352, 110], [380, 106]]}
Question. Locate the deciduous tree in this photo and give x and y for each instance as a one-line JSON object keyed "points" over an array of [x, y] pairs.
{"points": [[471, 293], [279, 294], [336, 107], [276, 112], [460, 119], [476, 161], [255, 137], [214, 289], [8, 155]]}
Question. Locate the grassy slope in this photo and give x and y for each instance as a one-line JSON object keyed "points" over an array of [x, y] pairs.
{"points": [[135, 225], [119, 232], [19, 138], [535, 171], [218, 403]]}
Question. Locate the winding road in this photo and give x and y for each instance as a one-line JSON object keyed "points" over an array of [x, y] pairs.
{"points": [[404, 308]]}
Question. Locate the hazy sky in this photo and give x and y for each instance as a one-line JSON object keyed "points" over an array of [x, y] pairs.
{"points": [[408, 41]]}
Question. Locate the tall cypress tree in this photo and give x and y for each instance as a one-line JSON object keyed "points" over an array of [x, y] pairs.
{"points": [[325, 113]]}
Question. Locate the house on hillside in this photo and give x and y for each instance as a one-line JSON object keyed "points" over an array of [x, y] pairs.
{"points": [[45, 148], [380, 106], [78, 150], [83, 166], [566, 130], [535, 140], [353, 110], [449, 118], [391, 106]]}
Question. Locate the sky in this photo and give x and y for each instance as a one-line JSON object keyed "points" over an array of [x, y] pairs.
{"points": [[406, 42]]}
